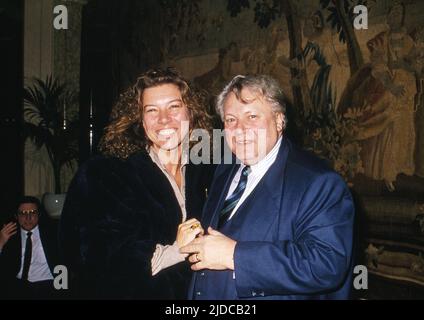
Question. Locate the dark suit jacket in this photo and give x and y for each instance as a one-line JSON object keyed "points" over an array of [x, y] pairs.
{"points": [[293, 233], [114, 215], [10, 258]]}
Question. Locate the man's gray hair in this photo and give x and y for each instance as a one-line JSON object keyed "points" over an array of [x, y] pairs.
{"points": [[264, 85]]}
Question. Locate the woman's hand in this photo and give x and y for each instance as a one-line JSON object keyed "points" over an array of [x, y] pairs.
{"points": [[188, 231]]}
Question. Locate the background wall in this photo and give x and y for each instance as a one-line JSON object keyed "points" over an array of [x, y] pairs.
{"points": [[38, 62], [49, 52]]}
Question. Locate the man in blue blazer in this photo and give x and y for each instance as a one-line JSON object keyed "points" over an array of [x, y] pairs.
{"points": [[280, 223]]}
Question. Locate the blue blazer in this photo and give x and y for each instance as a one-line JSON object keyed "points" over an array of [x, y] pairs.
{"points": [[294, 233]]}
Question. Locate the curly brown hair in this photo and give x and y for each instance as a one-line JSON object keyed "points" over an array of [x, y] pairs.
{"points": [[125, 134]]}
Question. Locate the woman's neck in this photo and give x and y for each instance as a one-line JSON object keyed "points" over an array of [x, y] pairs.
{"points": [[170, 159]]}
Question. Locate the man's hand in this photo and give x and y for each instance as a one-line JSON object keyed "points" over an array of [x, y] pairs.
{"points": [[214, 251], [6, 232]]}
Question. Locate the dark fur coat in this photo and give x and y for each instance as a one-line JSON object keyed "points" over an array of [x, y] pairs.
{"points": [[115, 213]]}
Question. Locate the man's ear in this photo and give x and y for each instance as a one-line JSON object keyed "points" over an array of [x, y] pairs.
{"points": [[281, 122]]}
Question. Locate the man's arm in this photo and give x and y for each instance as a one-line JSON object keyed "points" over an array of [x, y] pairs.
{"points": [[318, 258]]}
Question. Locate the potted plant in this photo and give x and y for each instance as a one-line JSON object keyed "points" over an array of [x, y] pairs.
{"points": [[48, 123]]}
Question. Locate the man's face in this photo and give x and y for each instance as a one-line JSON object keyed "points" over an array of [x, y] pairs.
{"points": [[28, 216], [165, 116], [252, 128]]}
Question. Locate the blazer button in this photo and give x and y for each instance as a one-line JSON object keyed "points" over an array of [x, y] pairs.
{"points": [[198, 293], [202, 274], [253, 293], [262, 294]]}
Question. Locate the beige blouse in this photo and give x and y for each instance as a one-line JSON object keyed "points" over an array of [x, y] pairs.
{"points": [[168, 255]]}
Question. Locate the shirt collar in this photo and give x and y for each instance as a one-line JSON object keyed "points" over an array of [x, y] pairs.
{"points": [[35, 232], [153, 154], [268, 160]]}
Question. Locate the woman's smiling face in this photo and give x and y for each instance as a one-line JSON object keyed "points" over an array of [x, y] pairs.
{"points": [[165, 116]]}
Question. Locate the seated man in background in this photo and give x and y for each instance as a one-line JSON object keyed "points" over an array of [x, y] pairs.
{"points": [[28, 251]]}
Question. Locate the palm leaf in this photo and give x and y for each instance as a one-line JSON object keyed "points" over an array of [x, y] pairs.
{"points": [[43, 110], [36, 133]]}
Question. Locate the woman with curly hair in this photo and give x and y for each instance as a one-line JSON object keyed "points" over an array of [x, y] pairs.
{"points": [[129, 211]]}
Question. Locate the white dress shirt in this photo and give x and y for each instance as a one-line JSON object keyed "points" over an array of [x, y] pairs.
{"points": [[258, 171], [39, 269]]}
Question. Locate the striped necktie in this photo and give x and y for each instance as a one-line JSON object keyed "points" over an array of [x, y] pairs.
{"points": [[231, 202]]}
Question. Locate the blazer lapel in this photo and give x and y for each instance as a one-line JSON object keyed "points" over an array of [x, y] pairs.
{"points": [[16, 252], [196, 185], [159, 197], [260, 209], [217, 196]]}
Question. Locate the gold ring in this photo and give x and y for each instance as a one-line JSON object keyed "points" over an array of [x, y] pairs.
{"points": [[194, 226], [197, 257]]}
